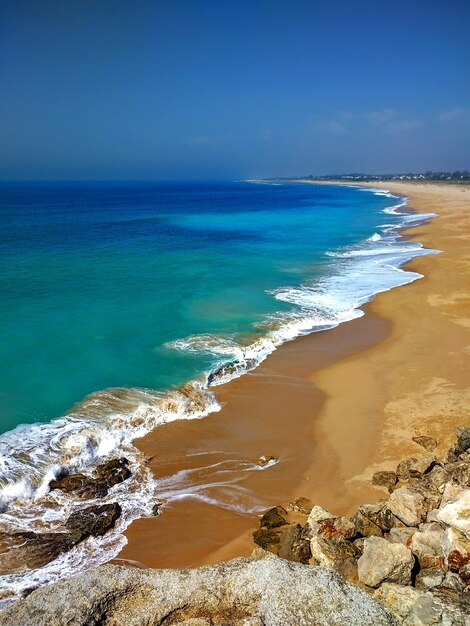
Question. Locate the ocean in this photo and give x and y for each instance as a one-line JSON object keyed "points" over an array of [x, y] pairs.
{"points": [[124, 305]]}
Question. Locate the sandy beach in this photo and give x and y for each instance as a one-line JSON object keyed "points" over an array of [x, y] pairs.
{"points": [[333, 406]]}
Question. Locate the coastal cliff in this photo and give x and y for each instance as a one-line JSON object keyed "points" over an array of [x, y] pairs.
{"points": [[404, 560]]}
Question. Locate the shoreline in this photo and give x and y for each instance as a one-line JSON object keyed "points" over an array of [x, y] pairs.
{"points": [[305, 372]]}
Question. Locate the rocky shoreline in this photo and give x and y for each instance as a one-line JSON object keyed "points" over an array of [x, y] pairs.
{"points": [[404, 560], [410, 551]]}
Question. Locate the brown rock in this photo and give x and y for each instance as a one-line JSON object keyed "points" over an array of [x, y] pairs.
{"points": [[428, 443], [415, 468], [365, 526], [300, 505], [330, 552], [28, 550], [292, 545], [266, 538], [385, 479], [93, 520], [274, 518], [335, 527]]}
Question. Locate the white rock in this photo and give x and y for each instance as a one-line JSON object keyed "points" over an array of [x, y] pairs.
{"points": [[384, 561], [456, 548], [456, 513], [408, 505]]}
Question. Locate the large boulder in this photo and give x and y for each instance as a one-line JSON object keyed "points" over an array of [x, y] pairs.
{"points": [[382, 561], [269, 592]]}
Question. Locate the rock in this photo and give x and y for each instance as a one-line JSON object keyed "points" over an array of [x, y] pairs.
{"points": [[293, 546], [422, 608], [381, 515], [94, 520], [435, 479], [330, 552], [453, 581], [429, 578], [415, 468], [457, 513], [242, 592], [266, 459], [317, 514], [365, 526], [459, 472], [385, 479], [426, 545], [384, 561], [463, 438], [156, 508], [409, 505], [402, 535], [428, 443], [456, 549], [104, 477], [274, 517], [27, 550], [300, 505], [464, 574], [334, 527], [266, 538]]}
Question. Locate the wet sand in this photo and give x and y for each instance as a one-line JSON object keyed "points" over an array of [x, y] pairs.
{"points": [[333, 406]]}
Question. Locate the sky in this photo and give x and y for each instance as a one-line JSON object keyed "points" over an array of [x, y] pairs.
{"points": [[214, 89]]}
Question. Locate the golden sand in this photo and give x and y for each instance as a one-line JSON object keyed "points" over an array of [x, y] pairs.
{"points": [[333, 406]]}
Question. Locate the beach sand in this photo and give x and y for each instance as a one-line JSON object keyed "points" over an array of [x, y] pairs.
{"points": [[333, 406]]}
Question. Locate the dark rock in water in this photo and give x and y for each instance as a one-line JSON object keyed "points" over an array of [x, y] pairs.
{"points": [[428, 443], [274, 517], [156, 509], [94, 520], [292, 545], [28, 550], [266, 538], [230, 369], [385, 479], [104, 477]]}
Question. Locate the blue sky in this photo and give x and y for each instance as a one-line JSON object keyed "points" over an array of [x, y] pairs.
{"points": [[107, 89]]}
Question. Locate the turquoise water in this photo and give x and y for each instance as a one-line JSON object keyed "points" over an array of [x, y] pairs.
{"points": [[98, 278]]}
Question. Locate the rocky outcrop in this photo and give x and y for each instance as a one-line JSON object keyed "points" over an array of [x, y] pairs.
{"points": [[243, 592], [411, 550], [27, 550]]}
